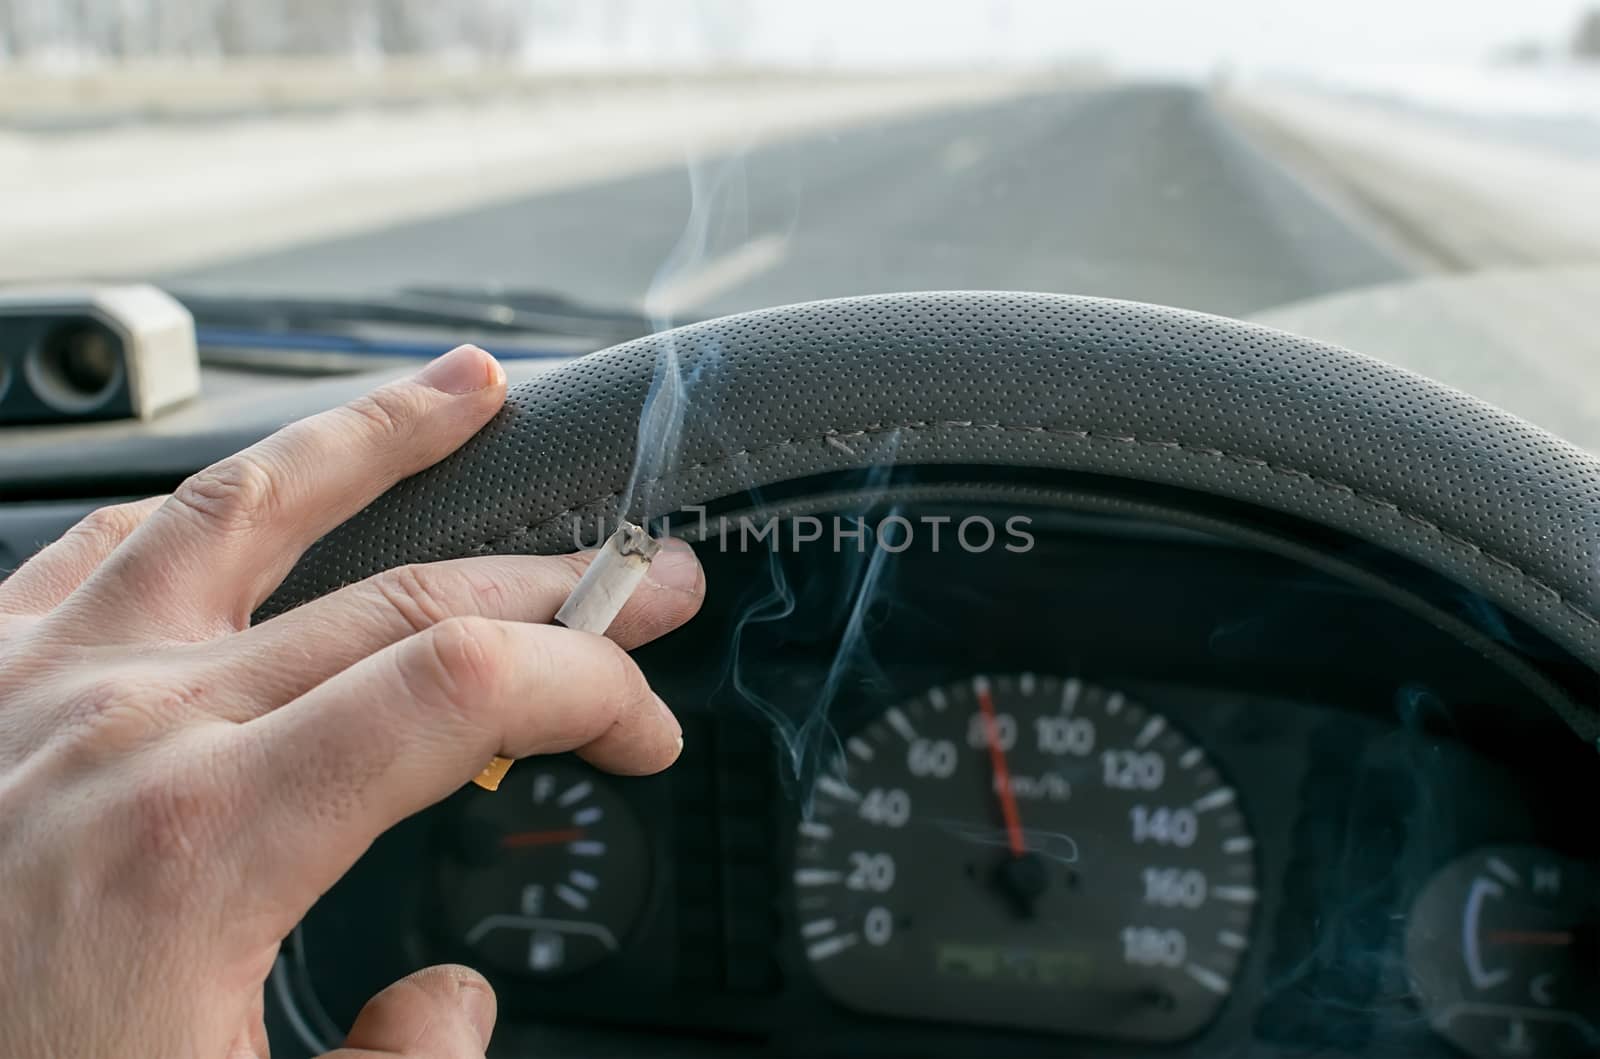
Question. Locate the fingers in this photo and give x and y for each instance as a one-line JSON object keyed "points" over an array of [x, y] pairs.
{"points": [[58, 569], [405, 727], [437, 1013], [229, 534], [327, 636]]}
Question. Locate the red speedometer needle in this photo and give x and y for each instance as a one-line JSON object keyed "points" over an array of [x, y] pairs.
{"points": [[554, 837], [1002, 774]]}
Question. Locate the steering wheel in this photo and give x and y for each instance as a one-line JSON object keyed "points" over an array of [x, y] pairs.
{"points": [[1211, 408]]}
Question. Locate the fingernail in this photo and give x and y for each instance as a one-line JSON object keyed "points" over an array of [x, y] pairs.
{"points": [[478, 1004], [462, 370], [676, 566]]}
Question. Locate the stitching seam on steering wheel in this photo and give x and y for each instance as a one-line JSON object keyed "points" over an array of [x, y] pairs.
{"points": [[839, 439]]}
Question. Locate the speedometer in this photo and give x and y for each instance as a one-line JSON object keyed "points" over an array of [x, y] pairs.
{"points": [[1030, 852]]}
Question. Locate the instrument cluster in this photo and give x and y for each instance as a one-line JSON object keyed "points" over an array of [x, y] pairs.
{"points": [[1142, 790]]}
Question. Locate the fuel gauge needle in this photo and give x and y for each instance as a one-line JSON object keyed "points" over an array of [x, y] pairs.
{"points": [[553, 837], [1002, 774]]}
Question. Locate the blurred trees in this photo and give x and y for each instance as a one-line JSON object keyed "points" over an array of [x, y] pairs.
{"points": [[91, 30], [1586, 41]]}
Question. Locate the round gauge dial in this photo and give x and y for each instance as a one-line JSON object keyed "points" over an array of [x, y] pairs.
{"points": [[547, 875], [1027, 851], [1504, 952]]}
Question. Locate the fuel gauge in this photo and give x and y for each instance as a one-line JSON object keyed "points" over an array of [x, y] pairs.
{"points": [[1504, 953], [546, 876]]}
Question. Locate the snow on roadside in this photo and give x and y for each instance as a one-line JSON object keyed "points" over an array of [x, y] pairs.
{"points": [[1554, 91], [1475, 167]]}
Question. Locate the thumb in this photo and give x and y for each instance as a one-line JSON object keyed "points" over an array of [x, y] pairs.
{"points": [[444, 1012]]}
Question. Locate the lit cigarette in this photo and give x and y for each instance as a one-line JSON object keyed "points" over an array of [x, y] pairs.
{"points": [[616, 571]]}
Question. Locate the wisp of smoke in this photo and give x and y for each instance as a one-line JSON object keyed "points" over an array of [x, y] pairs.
{"points": [[776, 605], [672, 383], [816, 740], [805, 731], [1381, 820], [1051, 845]]}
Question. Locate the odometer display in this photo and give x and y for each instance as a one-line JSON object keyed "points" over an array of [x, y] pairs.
{"points": [[1031, 852]]}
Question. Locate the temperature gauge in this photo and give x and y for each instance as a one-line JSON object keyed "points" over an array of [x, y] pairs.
{"points": [[546, 876], [1502, 948]]}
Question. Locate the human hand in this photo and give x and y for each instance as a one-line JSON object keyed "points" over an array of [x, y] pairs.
{"points": [[177, 787]]}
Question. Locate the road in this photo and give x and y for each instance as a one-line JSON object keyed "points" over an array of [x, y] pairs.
{"points": [[1136, 191]]}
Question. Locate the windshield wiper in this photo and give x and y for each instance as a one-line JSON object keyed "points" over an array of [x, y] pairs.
{"points": [[326, 332], [519, 312], [561, 310]]}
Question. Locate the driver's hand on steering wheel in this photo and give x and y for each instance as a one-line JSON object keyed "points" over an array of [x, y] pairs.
{"points": [[177, 786]]}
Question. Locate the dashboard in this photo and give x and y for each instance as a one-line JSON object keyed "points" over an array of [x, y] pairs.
{"points": [[1110, 777], [1137, 706]]}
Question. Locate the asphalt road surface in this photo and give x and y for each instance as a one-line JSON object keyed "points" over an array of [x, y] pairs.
{"points": [[1140, 191]]}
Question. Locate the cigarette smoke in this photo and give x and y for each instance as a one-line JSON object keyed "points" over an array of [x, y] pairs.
{"points": [[661, 420], [1381, 811], [1051, 845], [686, 372], [802, 721], [815, 744]]}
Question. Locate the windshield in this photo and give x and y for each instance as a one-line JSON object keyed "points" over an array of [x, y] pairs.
{"points": [[683, 158]]}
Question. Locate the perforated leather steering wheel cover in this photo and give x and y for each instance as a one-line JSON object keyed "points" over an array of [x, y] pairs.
{"points": [[1143, 392]]}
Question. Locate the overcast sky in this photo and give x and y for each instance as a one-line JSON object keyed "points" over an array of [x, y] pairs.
{"points": [[1176, 36]]}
